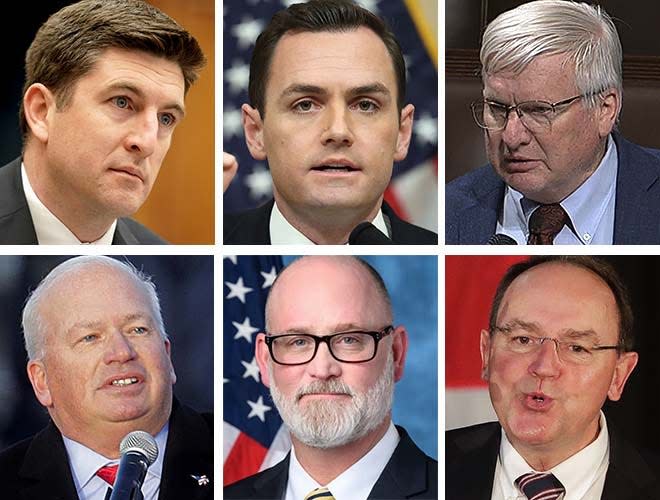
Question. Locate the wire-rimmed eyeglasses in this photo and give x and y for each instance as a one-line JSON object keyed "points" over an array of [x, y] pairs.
{"points": [[354, 346], [576, 351], [537, 116]]}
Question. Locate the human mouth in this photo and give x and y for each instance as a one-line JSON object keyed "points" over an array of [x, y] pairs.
{"points": [[336, 166], [123, 381], [129, 170], [515, 164], [537, 401]]}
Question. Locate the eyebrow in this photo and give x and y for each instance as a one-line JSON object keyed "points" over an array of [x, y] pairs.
{"points": [[338, 328], [303, 88], [95, 325], [129, 87], [535, 328]]}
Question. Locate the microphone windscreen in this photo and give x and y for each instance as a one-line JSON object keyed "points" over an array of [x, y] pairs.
{"points": [[501, 239], [365, 233], [141, 442]]}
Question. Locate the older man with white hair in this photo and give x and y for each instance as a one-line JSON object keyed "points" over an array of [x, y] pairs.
{"points": [[99, 362], [559, 173]]}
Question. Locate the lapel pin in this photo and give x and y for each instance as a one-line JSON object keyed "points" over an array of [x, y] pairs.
{"points": [[201, 480]]}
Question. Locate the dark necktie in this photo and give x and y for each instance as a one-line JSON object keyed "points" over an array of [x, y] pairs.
{"points": [[108, 473], [545, 223], [540, 486]]}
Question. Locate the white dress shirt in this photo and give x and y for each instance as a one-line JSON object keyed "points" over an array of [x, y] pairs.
{"points": [[85, 462], [50, 230], [356, 482], [283, 233], [583, 474]]}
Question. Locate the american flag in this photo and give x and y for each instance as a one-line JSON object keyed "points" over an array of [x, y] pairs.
{"points": [[413, 189], [254, 437]]}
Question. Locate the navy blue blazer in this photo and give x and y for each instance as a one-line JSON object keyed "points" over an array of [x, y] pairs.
{"points": [[474, 200], [471, 455], [16, 227], [408, 474]]}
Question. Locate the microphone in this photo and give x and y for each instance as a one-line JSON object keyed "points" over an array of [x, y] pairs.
{"points": [[501, 239], [365, 233], [138, 451]]}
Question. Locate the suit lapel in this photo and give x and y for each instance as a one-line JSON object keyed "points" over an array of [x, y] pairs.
{"points": [[407, 474], [16, 227], [636, 210], [478, 222], [45, 471], [189, 453], [271, 483]]}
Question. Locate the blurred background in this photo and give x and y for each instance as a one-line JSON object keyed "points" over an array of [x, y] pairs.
{"points": [[254, 438], [181, 206], [470, 285], [466, 20], [185, 288], [413, 191]]}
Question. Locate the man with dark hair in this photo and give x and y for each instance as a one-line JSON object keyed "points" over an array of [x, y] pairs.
{"points": [[330, 356], [559, 345], [104, 90], [327, 91], [99, 361]]}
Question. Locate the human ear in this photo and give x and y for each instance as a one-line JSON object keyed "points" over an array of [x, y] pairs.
{"points": [[625, 364], [405, 132], [608, 111], [39, 379], [38, 104], [263, 358], [253, 127], [484, 348], [399, 351]]}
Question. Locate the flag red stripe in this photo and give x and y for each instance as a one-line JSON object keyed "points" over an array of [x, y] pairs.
{"points": [[392, 200], [244, 459]]}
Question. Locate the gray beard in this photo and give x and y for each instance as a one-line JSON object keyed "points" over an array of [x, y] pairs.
{"points": [[329, 424]]}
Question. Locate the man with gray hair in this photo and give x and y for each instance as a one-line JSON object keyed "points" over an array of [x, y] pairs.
{"points": [[559, 173], [330, 356], [99, 362]]}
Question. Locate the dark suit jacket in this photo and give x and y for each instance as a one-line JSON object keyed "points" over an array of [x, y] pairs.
{"points": [[472, 456], [473, 201], [408, 474], [38, 468], [16, 226], [252, 227]]}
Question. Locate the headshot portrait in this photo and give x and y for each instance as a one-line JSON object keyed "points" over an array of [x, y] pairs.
{"points": [[330, 121], [107, 377], [559, 99], [548, 363], [330, 377], [98, 93]]}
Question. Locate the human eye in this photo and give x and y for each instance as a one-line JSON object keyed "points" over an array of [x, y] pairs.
{"points": [[121, 101], [167, 120], [139, 330], [535, 109], [304, 106], [296, 342], [578, 348], [89, 338], [522, 340], [366, 106]]}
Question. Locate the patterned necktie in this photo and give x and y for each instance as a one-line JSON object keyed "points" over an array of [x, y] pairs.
{"points": [[540, 486], [108, 473], [545, 223], [320, 494]]}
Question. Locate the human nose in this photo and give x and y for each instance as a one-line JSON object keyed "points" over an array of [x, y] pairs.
{"points": [[324, 365], [143, 136], [118, 349], [515, 133], [337, 126], [546, 362]]}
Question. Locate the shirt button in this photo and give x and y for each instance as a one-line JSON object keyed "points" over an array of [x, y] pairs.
{"points": [[586, 236]]}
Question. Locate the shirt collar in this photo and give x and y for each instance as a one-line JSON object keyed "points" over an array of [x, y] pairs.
{"points": [[50, 230], [576, 473], [85, 461], [585, 207], [356, 482], [283, 233]]}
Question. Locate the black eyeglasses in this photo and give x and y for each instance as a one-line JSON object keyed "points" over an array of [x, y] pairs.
{"points": [[355, 346], [537, 116]]}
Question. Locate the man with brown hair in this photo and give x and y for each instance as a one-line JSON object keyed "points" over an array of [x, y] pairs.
{"points": [[104, 89]]}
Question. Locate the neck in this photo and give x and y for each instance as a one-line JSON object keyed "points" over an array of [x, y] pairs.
{"points": [[327, 225], [79, 217], [544, 457], [324, 465]]}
